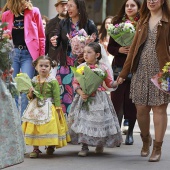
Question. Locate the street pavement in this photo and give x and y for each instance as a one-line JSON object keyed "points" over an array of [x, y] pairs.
{"points": [[120, 158]]}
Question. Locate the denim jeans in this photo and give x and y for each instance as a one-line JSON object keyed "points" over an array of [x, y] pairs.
{"points": [[22, 62]]}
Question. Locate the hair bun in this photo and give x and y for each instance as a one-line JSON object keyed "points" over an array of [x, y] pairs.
{"points": [[54, 63]]}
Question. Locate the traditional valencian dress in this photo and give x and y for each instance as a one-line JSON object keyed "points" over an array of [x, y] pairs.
{"points": [[41, 123], [97, 124], [12, 145]]}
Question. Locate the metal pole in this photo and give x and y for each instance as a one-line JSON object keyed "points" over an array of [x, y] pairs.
{"points": [[104, 10]]}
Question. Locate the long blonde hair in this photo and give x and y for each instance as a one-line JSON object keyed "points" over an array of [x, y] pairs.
{"points": [[16, 6]]}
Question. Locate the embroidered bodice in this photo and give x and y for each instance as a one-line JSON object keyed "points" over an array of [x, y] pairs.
{"points": [[50, 89]]}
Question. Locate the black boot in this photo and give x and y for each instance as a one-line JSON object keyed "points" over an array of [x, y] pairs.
{"points": [[129, 137]]}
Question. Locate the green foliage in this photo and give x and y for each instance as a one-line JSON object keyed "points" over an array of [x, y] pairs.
{"points": [[6, 47]]}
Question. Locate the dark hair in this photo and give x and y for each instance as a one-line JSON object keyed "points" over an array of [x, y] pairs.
{"points": [[121, 13], [145, 11], [103, 31], [96, 47], [52, 63], [45, 18], [83, 16]]}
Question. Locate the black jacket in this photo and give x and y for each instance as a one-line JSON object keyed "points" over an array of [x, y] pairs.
{"points": [[49, 32], [64, 28]]}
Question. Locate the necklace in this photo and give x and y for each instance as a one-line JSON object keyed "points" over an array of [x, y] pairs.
{"points": [[42, 88]]}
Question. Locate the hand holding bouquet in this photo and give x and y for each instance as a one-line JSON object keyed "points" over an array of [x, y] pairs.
{"points": [[122, 33], [162, 79], [24, 84], [89, 78]]}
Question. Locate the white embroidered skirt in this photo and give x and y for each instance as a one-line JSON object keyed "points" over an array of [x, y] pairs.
{"points": [[96, 124]]}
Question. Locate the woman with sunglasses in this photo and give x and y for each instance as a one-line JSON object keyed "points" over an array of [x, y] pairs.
{"points": [[148, 54], [25, 23]]}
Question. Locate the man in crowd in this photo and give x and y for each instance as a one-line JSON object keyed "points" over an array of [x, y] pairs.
{"points": [[61, 8]]}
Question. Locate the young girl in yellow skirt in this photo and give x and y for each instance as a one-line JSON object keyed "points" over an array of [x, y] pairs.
{"points": [[44, 123]]}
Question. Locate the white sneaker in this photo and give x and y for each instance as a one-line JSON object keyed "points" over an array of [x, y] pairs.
{"points": [[83, 153], [99, 149]]}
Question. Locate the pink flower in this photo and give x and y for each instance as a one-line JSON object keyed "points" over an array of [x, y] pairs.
{"points": [[82, 32], [128, 21], [92, 66], [117, 25], [78, 42]]}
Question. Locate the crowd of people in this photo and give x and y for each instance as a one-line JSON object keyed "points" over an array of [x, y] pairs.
{"points": [[43, 51]]}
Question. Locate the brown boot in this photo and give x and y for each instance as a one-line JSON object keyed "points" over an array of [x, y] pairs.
{"points": [[156, 152], [147, 142]]}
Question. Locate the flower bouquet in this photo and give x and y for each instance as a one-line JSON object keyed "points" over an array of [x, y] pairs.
{"points": [[162, 79], [24, 84], [79, 40], [122, 33], [6, 47], [89, 78]]}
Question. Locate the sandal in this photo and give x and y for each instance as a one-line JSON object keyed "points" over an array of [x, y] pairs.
{"points": [[50, 150], [35, 153]]}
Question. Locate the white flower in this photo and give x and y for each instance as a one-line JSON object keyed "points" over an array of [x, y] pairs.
{"points": [[3, 50]]}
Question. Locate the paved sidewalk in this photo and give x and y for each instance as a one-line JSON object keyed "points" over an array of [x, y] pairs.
{"points": [[123, 158]]}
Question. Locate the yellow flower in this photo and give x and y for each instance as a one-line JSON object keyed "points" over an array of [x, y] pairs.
{"points": [[20, 74], [167, 64], [80, 70], [165, 69]]}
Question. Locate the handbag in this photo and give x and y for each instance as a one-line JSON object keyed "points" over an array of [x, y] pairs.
{"points": [[116, 72]]}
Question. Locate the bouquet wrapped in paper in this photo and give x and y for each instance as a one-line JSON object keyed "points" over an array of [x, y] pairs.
{"points": [[79, 40], [122, 33], [162, 79], [24, 84], [89, 79], [6, 48]]}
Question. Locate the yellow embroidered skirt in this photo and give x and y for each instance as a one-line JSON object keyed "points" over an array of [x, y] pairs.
{"points": [[55, 132]]}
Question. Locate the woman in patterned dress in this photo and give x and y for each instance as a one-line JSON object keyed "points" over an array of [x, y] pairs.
{"points": [[147, 56], [76, 20], [12, 145]]}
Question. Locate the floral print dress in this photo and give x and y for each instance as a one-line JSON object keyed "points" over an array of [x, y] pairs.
{"points": [[65, 76], [143, 91], [12, 145]]}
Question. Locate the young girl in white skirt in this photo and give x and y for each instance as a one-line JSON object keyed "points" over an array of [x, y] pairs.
{"points": [[97, 124]]}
